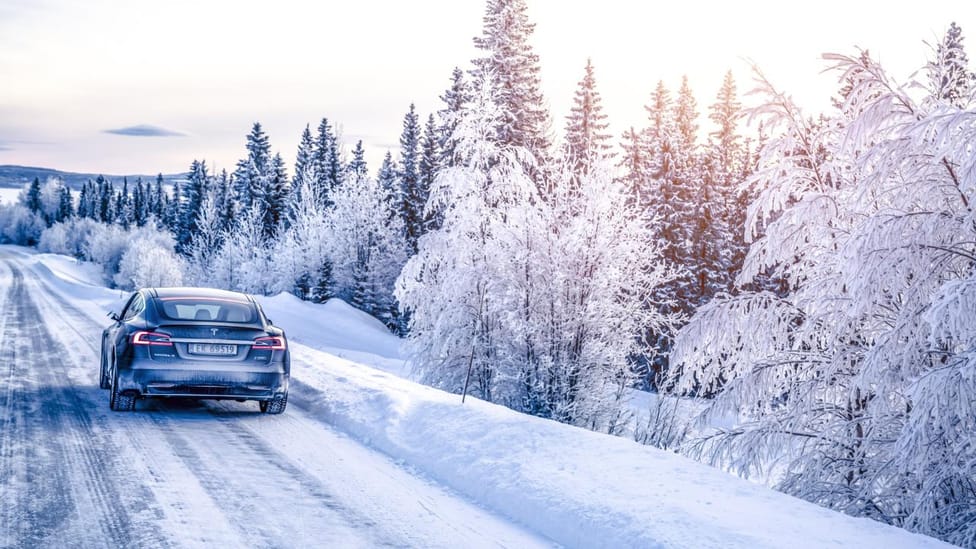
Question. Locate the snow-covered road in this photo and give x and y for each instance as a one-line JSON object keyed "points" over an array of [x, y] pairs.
{"points": [[184, 473]]}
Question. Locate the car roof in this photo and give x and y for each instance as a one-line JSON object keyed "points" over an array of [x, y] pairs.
{"points": [[198, 292]]}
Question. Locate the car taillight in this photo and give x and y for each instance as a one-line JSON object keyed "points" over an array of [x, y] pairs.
{"points": [[274, 343], [151, 338]]}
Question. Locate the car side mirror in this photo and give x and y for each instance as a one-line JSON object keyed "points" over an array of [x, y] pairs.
{"points": [[115, 317]]}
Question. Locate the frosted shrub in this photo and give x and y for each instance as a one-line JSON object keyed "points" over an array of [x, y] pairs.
{"points": [[106, 245], [68, 238], [146, 264], [19, 226]]}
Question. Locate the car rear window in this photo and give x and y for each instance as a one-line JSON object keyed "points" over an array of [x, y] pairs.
{"points": [[207, 309]]}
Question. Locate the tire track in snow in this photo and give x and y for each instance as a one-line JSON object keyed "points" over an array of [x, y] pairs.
{"points": [[225, 472], [70, 489]]}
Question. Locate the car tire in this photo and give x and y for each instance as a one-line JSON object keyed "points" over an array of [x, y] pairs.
{"points": [[117, 401], [275, 405]]}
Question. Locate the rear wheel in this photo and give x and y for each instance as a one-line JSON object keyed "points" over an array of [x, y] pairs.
{"points": [[116, 400], [275, 405]]}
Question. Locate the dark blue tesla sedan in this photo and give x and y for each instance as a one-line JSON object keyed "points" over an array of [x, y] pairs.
{"points": [[197, 343]]}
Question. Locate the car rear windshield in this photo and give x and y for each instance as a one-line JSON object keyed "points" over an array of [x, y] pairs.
{"points": [[207, 309]]}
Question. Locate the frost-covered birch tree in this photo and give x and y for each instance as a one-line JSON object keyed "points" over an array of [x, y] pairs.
{"points": [[366, 245], [859, 384], [452, 287], [535, 304]]}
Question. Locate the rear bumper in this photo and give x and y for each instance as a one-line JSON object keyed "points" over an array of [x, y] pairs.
{"points": [[204, 380]]}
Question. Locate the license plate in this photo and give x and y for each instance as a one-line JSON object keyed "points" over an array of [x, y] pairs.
{"points": [[212, 349]]}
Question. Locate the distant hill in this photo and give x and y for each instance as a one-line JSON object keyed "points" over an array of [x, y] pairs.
{"points": [[15, 177]]}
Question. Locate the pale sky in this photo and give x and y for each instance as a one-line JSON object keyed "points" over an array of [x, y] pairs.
{"points": [[202, 71]]}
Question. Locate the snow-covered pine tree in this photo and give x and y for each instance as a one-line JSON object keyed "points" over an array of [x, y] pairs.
{"points": [[514, 69], [157, 199], [32, 199], [389, 181], [139, 211], [84, 200], [327, 162], [668, 201], [586, 126], [455, 98], [429, 165], [412, 197], [857, 383], [224, 200], [357, 166], [304, 157], [193, 194], [274, 199], [65, 203], [123, 206], [634, 166], [106, 194], [173, 209], [729, 163], [304, 163], [253, 171]]}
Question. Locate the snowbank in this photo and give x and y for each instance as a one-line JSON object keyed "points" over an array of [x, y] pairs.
{"points": [[580, 488]]}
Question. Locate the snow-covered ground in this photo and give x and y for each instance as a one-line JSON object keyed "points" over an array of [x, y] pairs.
{"points": [[578, 488]]}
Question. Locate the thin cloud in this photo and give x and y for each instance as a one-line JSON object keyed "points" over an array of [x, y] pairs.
{"points": [[145, 130]]}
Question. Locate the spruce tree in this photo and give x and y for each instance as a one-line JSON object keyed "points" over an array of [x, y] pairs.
{"points": [[514, 69], [430, 158], [586, 126], [455, 99], [634, 165], [275, 197], [193, 194], [357, 166], [304, 158], [106, 194], [304, 166], [224, 201], [326, 162], [33, 198], [389, 182], [323, 289], [65, 204], [173, 210], [730, 166], [252, 172], [413, 198], [159, 199], [686, 116], [138, 203], [123, 207]]}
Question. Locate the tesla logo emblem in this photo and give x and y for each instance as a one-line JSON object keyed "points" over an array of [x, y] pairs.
{"points": [[213, 331]]}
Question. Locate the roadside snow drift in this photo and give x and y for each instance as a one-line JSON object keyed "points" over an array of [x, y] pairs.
{"points": [[579, 488]]}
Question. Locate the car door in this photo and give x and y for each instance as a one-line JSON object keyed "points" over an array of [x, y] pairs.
{"points": [[117, 334]]}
